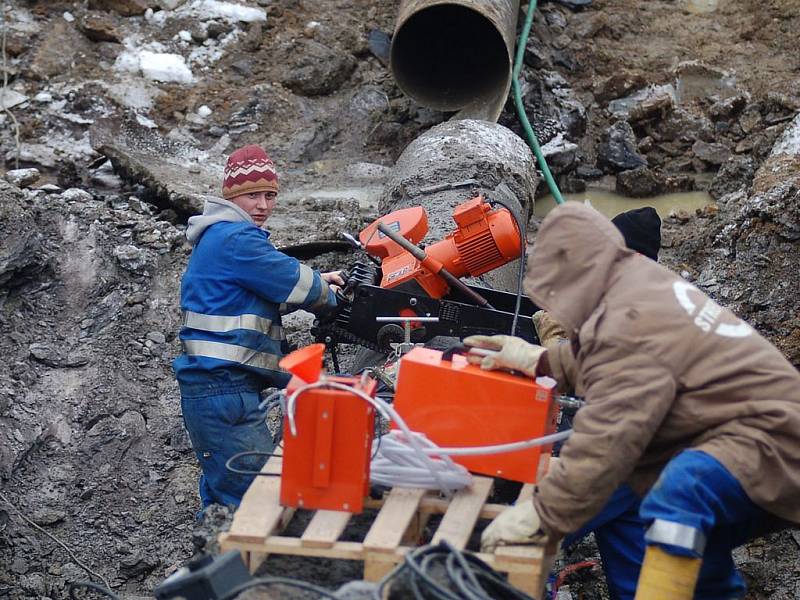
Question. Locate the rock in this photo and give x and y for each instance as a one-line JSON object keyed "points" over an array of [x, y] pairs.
{"points": [[727, 108], [654, 100], [714, 154], [136, 565], [47, 355], [654, 106], [57, 52], [560, 154], [12, 99], [618, 85], [131, 258], [314, 69], [638, 183], [617, 152], [22, 178], [127, 8], [588, 172], [537, 54], [17, 43], [100, 27], [735, 174], [143, 156], [156, 337], [750, 119], [20, 566], [76, 195], [698, 80], [215, 29], [20, 239]]}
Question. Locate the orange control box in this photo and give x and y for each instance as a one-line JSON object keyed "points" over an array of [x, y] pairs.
{"points": [[326, 465], [458, 404]]}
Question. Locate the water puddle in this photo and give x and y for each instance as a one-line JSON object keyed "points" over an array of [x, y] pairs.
{"points": [[611, 204], [701, 7]]}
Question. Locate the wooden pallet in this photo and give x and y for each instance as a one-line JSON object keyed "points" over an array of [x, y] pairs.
{"points": [[396, 530]]}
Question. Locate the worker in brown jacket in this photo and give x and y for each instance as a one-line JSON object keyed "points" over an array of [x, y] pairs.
{"points": [[685, 402]]}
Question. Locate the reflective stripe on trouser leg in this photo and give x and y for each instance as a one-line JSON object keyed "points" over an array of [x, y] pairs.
{"points": [[667, 577], [676, 534]]}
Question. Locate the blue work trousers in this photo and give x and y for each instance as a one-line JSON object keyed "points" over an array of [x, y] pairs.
{"points": [[223, 421], [694, 490]]}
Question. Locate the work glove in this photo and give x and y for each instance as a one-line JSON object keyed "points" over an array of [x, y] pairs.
{"points": [[509, 353], [548, 329], [519, 524]]}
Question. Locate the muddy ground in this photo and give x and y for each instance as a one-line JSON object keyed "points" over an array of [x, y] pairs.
{"points": [[641, 97]]}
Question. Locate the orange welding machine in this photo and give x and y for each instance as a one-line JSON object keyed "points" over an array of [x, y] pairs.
{"points": [[456, 404], [326, 463]]}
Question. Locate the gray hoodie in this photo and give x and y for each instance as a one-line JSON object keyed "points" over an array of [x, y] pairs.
{"points": [[215, 210]]}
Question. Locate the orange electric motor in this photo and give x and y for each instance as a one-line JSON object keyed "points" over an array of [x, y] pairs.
{"points": [[458, 404], [485, 238], [326, 464]]}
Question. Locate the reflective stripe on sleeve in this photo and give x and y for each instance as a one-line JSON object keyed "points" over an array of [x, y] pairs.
{"points": [[304, 283], [221, 324], [676, 534], [233, 353]]}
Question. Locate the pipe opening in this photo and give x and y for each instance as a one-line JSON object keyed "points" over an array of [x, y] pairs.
{"points": [[447, 56]]}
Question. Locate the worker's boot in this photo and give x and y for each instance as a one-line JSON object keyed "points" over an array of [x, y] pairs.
{"points": [[665, 576]]}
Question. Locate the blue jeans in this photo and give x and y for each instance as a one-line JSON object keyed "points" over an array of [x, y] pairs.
{"points": [[694, 490], [223, 421]]}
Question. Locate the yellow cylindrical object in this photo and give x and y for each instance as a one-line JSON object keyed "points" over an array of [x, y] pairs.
{"points": [[667, 577]]}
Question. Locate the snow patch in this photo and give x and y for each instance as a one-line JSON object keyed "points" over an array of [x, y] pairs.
{"points": [[214, 9], [161, 66], [790, 140]]}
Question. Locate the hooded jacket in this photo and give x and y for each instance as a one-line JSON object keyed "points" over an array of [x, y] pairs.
{"points": [[233, 292], [663, 368]]}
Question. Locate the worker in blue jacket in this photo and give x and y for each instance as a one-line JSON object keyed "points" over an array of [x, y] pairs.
{"points": [[234, 290]]}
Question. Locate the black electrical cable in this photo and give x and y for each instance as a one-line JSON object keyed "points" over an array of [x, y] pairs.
{"points": [[467, 577], [90, 586], [308, 587], [239, 455], [523, 243]]}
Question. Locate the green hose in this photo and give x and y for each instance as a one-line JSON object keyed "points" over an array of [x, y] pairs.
{"points": [[526, 125]]}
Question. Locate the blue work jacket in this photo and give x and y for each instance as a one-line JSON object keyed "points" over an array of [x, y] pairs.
{"points": [[234, 290]]}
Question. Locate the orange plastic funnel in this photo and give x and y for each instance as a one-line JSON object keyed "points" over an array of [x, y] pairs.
{"points": [[305, 363]]}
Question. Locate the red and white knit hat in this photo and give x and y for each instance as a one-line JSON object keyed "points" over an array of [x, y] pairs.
{"points": [[249, 169]]}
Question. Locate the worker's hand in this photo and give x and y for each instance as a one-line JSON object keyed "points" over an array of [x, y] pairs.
{"points": [[548, 329], [334, 279], [519, 524], [509, 353]]}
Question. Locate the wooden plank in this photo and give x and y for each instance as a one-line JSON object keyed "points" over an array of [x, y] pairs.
{"points": [[393, 519], [464, 510], [527, 555], [260, 512], [438, 506], [279, 544], [325, 528]]}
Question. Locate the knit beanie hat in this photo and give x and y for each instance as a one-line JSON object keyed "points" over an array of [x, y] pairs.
{"points": [[641, 228], [249, 169]]}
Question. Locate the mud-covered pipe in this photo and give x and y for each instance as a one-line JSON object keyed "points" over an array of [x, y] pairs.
{"points": [[445, 165], [456, 55]]}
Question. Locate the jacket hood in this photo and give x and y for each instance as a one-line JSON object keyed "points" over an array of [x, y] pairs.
{"points": [[215, 210], [573, 262]]}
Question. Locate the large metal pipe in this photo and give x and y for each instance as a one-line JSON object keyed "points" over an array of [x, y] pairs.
{"points": [[456, 55]]}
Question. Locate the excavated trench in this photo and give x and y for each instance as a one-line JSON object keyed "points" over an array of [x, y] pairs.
{"points": [[635, 99]]}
